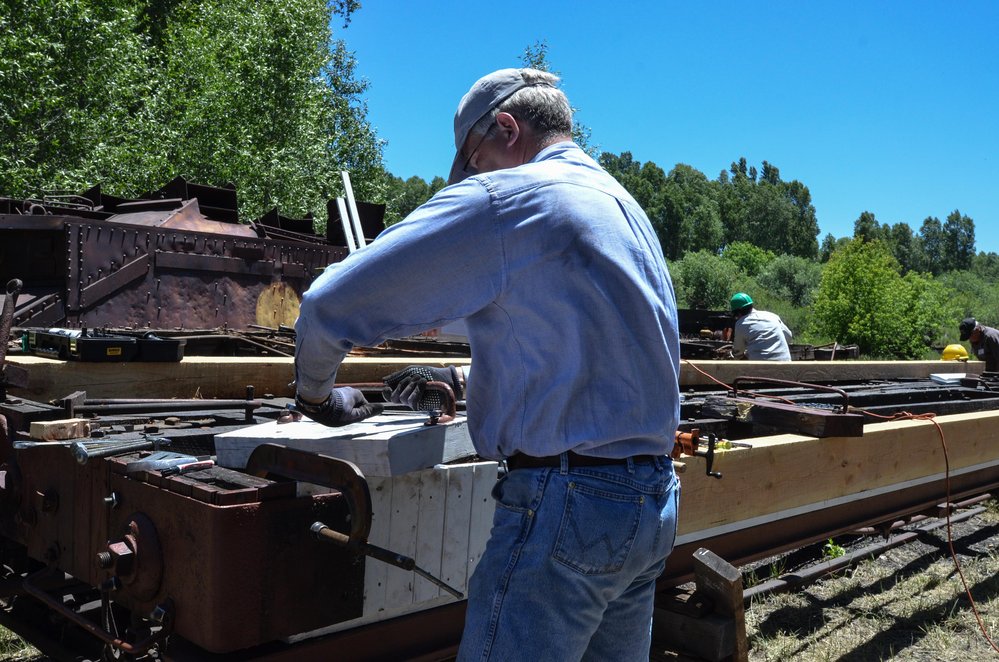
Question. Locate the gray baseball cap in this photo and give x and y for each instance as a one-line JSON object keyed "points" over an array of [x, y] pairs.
{"points": [[487, 93]]}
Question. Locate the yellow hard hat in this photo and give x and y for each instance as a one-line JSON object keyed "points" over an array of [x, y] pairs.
{"points": [[954, 352]]}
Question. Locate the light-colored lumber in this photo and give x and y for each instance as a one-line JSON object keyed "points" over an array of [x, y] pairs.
{"points": [[786, 475], [227, 377], [389, 444], [193, 376], [439, 516], [69, 428]]}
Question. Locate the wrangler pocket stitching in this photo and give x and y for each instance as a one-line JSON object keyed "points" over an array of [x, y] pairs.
{"points": [[598, 529]]}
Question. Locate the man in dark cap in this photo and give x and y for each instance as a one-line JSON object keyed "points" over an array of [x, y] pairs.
{"points": [[984, 342], [572, 323]]}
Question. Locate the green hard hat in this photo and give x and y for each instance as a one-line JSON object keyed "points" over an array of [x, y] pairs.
{"points": [[740, 300]]}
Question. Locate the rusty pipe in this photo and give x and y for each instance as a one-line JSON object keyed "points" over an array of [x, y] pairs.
{"points": [[92, 628]]}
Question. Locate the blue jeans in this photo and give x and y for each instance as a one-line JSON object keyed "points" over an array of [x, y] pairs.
{"points": [[569, 570]]}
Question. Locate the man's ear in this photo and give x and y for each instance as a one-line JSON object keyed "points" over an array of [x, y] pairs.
{"points": [[509, 128]]}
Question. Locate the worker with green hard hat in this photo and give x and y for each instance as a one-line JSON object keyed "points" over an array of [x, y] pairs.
{"points": [[759, 335]]}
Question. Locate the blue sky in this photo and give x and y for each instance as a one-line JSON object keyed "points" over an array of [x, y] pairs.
{"points": [[888, 107]]}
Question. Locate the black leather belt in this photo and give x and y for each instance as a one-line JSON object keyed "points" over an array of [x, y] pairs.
{"points": [[521, 461]]}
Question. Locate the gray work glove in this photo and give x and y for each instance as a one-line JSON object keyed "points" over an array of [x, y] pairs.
{"points": [[345, 405], [408, 387]]}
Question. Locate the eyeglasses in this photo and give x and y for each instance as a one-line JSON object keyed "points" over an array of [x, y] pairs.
{"points": [[477, 146]]}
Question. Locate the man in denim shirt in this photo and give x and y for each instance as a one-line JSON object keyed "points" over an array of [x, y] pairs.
{"points": [[572, 323]]}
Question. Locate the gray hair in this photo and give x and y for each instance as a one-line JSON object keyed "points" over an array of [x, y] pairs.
{"points": [[541, 104]]}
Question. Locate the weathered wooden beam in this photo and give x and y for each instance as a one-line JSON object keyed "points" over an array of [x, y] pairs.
{"points": [[194, 376], [721, 582], [785, 417]]}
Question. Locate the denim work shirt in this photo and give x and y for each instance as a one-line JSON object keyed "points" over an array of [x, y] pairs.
{"points": [[762, 336], [569, 306]]}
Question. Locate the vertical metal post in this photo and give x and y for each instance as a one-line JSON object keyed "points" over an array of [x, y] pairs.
{"points": [[352, 207], [348, 232]]}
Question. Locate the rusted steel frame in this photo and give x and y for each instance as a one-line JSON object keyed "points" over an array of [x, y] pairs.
{"points": [[784, 534], [277, 460], [809, 575], [93, 628], [785, 382]]}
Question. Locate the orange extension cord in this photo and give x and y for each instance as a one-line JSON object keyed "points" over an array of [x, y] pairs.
{"points": [[902, 416]]}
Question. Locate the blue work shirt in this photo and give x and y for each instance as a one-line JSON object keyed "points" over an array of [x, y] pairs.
{"points": [[569, 306]]}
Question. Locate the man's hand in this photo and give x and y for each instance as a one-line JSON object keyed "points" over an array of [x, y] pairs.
{"points": [[343, 406], [408, 386]]}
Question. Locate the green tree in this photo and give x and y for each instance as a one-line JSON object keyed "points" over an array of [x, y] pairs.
{"points": [[704, 280], [830, 245], [766, 210], [931, 235], [867, 228], [403, 196], [906, 247], [864, 299], [986, 266], [135, 92], [959, 241], [792, 278], [750, 258]]}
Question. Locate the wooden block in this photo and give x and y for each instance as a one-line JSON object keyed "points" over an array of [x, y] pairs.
{"points": [[384, 445], [785, 417], [682, 601], [69, 428], [711, 637], [721, 582]]}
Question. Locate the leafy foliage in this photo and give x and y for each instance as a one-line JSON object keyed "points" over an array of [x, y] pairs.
{"points": [[403, 196], [750, 258], [135, 92], [792, 278], [864, 299], [705, 280]]}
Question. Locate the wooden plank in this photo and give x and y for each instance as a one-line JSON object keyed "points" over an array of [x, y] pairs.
{"points": [[782, 475], [69, 428], [227, 377], [390, 444], [402, 538], [194, 376], [785, 417], [375, 572], [430, 532], [457, 524], [483, 508], [721, 582]]}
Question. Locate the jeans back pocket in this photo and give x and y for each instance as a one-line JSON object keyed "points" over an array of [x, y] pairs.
{"points": [[598, 529]]}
